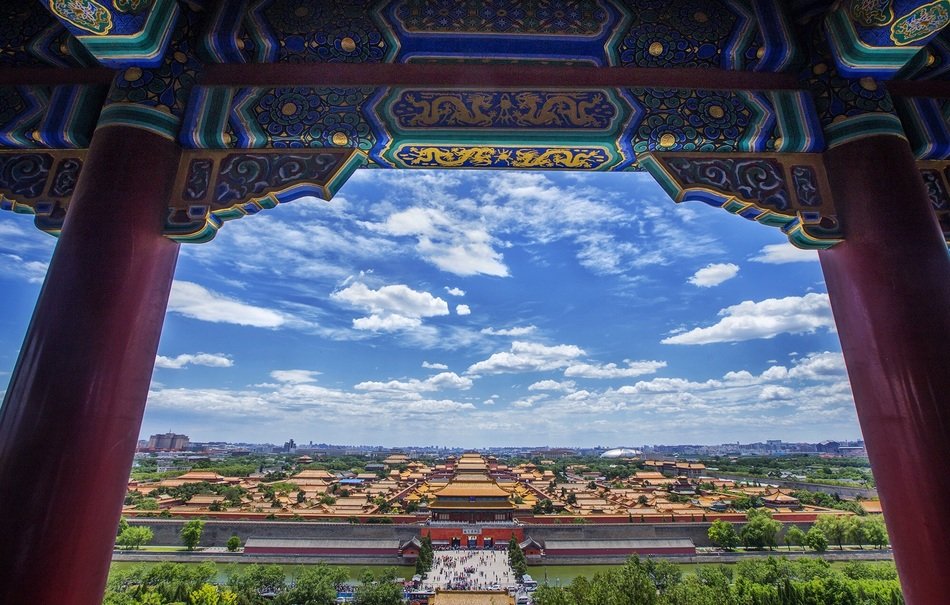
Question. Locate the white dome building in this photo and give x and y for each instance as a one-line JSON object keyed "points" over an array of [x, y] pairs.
{"points": [[621, 452]]}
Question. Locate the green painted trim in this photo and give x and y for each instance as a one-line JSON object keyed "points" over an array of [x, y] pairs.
{"points": [[863, 126], [760, 113], [788, 120], [140, 116], [800, 238], [212, 121], [149, 43], [857, 54], [357, 160], [662, 177]]}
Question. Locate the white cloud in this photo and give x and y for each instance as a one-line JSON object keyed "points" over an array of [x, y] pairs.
{"points": [[780, 254], [211, 360], [454, 291], [763, 319], [445, 380], [463, 310], [527, 357], [520, 331], [714, 274], [197, 302], [391, 308], [386, 323], [611, 370], [31, 270], [552, 385], [773, 392], [295, 376], [434, 366], [450, 242], [819, 366]]}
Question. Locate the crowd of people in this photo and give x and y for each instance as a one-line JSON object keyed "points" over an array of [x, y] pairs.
{"points": [[470, 570]]}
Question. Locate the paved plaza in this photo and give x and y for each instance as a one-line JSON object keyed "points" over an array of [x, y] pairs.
{"points": [[470, 570]]}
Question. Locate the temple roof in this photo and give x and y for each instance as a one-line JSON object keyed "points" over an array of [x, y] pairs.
{"points": [[461, 489]]}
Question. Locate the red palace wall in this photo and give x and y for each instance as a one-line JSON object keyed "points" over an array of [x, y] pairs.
{"points": [[500, 535]]}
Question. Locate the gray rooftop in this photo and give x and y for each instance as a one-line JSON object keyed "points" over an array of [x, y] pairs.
{"points": [[550, 545], [320, 543]]}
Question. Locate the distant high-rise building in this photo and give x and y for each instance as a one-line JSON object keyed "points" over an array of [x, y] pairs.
{"points": [[167, 441]]}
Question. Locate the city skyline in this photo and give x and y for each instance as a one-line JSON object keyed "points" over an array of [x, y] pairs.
{"points": [[478, 308]]}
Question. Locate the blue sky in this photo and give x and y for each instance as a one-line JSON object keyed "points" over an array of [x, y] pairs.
{"points": [[479, 308]]}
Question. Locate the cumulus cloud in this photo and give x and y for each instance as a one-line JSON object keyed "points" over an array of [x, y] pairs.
{"points": [[527, 357], [454, 291], [211, 360], [519, 331], [780, 254], [463, 310], [450, 242], [819, 366], [714, 274], [774, 392], [444, 380], [768, 318], [434, 366], [295, 376], [391, 308], [612, 370], [553, 385], [197, 302]]}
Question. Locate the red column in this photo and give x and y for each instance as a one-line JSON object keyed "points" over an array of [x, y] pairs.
{"points": [[889, 284], [71, 416]]}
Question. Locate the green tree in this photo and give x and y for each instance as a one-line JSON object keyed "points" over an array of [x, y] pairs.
{"points": [[516, 557], [760, 529], [627, 585], [544, 507], [794, 537], [191, 533], [723, 534], [315, 586], [856, 531], [378, 591], [134, 537], [147, 504], [250, 582], [876, 531], [161, 584], [233, 544], [816, 540], [209, 594], [834, 527], [663, 574], [553, 595], [123, 525], [426, 555]]}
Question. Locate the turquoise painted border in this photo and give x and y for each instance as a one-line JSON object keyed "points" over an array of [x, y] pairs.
{"points": [[144, 49], [140, 116], [863, 126], [855, 58]]}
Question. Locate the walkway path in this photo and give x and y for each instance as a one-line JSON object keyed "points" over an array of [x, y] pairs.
{"points": [[470, 570]]}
